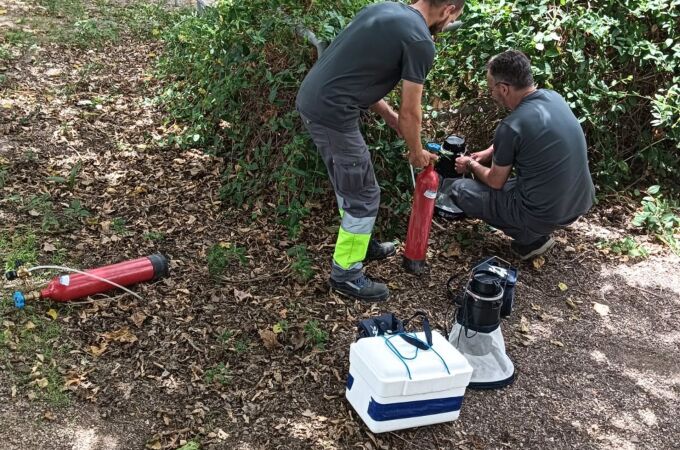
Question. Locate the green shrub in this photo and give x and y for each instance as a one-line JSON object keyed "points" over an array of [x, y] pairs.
{"points": [[231, 75], [660, 216]]}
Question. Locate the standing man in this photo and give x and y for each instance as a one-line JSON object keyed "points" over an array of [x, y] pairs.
{"points": [[385, 43], [543, 141]]}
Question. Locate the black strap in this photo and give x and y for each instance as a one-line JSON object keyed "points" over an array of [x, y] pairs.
{"points": [[426, 328], [451, 290]]}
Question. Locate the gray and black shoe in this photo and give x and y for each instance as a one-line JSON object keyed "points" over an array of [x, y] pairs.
{"points": [[379, 250], [536, 248], [363, 288]]}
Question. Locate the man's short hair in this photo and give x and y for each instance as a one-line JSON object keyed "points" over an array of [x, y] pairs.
{"points": [[511, 67], [457, 3]]}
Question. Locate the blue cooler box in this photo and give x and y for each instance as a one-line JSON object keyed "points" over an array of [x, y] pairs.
{"points": [[392, 385]]}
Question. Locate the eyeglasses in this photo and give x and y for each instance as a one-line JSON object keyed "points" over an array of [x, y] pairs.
{"points": [[499, 82]]}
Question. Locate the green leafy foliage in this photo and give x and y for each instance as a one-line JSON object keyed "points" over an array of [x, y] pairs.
{"points": [[231, 75], [75, 212], [302, 264], [626, 246], [220, 256], [191, 445], [118, 226], [613, 61], [75, 23], [217, 374], [154, 236], [660, 216], [315, 334], [20, 246]]}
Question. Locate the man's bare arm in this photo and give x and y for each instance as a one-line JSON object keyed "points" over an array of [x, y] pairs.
{"points": [[410, 120]]}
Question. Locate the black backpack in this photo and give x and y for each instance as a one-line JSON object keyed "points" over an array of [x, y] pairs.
{"points": [[388, 323]]}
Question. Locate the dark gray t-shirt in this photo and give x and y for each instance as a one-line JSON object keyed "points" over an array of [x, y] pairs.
{"points": [[544, 141], [385, 43]]}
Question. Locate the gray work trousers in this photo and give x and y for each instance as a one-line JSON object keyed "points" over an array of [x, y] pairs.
{"points": [[501, 209], [350, 170]]}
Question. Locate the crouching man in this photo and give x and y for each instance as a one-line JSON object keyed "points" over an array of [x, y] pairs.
{"points": [[543, 141]]}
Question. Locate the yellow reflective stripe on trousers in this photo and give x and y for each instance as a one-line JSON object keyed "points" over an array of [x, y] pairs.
{"points": [[350, 248], [353, 238]]}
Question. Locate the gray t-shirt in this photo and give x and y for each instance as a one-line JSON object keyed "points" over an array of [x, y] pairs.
{"points": [[386, 42], [544, 141]]}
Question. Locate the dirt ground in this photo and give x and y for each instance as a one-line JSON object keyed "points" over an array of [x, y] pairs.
{"points": [[594, 337]]}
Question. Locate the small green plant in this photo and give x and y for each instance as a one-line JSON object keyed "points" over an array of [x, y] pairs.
{"points": [[35, 337], [3, 177], [54, 393], [241, 346], [41, 205], [75, 212], [70, 181], [22, 246], [5, 53], [315, 334], [225, 337], [30, 156], [191, 445], [91, 33], [221, 255], [60, 256], [91, 68], [145, 20], [73, 174], [302, 265], [281, 326], [118, 225], [154, 236], [63, 8], [18, 37], [659, 216], [626, 246], [217, 374]]}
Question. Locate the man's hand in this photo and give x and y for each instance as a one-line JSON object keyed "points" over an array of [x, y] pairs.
{"points": [[483, 157], [421, 158], [462, 163], [393, 121]]}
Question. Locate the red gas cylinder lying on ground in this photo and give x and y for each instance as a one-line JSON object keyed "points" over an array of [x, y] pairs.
{"points": [[415, 253], [69, 287]]}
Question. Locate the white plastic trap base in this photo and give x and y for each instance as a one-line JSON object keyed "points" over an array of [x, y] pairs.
{"points": [[386, 398], [486, 354]]}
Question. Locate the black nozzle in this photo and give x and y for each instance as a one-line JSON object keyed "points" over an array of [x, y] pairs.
{"points": [[160, 264], [13, 274], [413, 266]]}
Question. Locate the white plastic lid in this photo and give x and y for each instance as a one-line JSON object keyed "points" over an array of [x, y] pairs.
{"points": [[423, 372]]}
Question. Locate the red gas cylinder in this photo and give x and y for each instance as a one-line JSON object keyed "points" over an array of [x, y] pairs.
{"points": [[415, 253], [65, 288]]}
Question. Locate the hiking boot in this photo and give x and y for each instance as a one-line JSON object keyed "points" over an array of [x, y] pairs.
{"points": [[363, 288], [379, 250], [536, 248]]}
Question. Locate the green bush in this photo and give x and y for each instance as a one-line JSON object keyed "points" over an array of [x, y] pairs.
{"points": [[660, 216], [231, 75], [613, 61]]}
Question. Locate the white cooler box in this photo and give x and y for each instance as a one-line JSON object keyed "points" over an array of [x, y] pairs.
{"points": [[392, 393]]}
